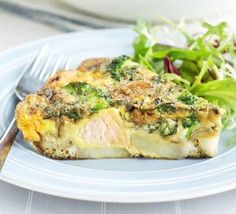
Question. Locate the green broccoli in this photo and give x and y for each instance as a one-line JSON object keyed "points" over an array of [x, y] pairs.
{"points": [[168, 127], [121, 68], [191, 123], [187, 98], [92, 98]]}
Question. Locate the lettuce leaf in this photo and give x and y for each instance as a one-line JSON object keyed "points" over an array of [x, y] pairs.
{"points": [[221, 93]]}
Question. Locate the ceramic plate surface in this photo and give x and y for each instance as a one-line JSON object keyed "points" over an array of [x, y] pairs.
{"points": [[111, 180]]}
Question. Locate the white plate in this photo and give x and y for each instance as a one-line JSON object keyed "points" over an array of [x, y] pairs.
{"points": [[113, 180]]}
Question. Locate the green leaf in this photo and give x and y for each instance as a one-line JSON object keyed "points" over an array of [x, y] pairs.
{"points": [[219, 29], [144, 62], [143, 41], [201, 45], [201, 75], [189, 70], [160, 51], [161, 47], [219, 92], [176, 78], [190, 39]]}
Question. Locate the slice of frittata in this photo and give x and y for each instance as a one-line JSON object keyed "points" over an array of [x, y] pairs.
{"points": [[114, 108]]}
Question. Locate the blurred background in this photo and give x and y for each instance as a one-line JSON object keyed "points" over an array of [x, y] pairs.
{"points": [[40, 18], [70, 15], [24, 20]]}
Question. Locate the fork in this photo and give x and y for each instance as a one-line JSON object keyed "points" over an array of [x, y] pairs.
{"points": [[32, 78]]}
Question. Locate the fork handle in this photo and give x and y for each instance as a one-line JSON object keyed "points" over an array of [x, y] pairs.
{"points": [[7, 140]]}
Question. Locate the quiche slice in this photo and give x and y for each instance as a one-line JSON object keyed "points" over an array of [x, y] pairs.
{"points": [[115, 108]]}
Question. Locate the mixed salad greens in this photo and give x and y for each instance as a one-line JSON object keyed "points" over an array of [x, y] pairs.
{"points": [[205, 65]]}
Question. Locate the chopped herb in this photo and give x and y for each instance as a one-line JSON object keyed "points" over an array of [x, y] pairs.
{"points": [[168, 127], [189, 121], [50, 112], [187, 98], [166, 107], [152, 127], [71, 113], [58, 109], [48, 92], [128, 73]]}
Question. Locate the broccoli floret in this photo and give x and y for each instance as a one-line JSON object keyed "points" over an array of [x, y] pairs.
{"points": [[80, 88], [191, 123], [117, 69], [92, 98], [88, 101], [187, 98]]}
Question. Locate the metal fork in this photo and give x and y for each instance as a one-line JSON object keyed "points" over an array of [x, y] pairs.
{"points": [[32, 78]]}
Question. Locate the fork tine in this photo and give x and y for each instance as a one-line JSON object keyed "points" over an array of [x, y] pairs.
{"points": [[56, 66], [64, 65], [44, 70], [38, 59], [67, 64], [53, 69], [29, 69]]}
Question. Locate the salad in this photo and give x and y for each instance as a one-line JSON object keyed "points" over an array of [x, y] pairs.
{"points": [[204, 65]]}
